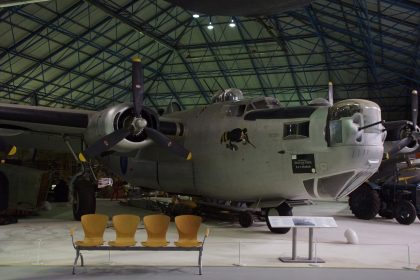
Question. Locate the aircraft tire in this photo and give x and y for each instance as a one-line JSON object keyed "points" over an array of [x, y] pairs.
{"points": [[84, 201], [4, 192], [365, 202], [245, 219], [386, 214], [405, 212], [283, 210]]}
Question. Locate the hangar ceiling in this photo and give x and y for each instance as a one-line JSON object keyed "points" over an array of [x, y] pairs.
{"points": [[77, 54]]}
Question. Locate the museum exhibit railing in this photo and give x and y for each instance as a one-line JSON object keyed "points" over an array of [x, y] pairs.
{"points": [[336, 253]]}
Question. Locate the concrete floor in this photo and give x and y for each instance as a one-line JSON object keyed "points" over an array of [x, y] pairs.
{"points": [[210, 273], [43, 241]]}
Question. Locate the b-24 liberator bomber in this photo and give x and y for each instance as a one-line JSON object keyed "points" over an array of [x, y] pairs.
{"points": [[255, 152]]}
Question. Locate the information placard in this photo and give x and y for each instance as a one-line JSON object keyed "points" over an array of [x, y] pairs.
{"points": [[304, 163], [301, 221]]}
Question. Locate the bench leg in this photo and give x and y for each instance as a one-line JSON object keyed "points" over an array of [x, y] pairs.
{"points": [[75, 261], [81, 260], [200, 264]]}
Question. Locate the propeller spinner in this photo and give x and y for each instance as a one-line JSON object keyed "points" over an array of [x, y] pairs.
{"points": [[137, 126]]}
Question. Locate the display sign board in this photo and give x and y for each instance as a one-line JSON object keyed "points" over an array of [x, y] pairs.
{"points": [[103, 182], [301, 221], [304, 163]]}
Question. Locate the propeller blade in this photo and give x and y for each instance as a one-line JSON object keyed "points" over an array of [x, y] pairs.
{"points": [[415, 135], [400, 145], [137, 86], [330, 93], [414, 107], [162, 140], [12, 150], [9, 150], [104, 144]]}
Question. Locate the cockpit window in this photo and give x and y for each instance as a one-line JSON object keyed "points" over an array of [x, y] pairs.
{"points": [[344, 111], [266, 103], [260, 104], [296, 130], [272, 103]]}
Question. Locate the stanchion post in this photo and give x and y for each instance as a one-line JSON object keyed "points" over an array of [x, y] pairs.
{"points": [[311, 238], [239, 253], [294, 243]]}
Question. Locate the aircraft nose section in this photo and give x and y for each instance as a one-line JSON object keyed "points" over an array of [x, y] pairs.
{"points": [[355, 122], [355, 137], [337, 178]]}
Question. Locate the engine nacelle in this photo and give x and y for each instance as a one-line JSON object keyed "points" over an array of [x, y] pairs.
{"points": [[398, 133], [118, 117]]}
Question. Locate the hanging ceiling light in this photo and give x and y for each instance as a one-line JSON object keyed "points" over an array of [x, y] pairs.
{"points": [[232, 23], [196, 15], [210, 26]]}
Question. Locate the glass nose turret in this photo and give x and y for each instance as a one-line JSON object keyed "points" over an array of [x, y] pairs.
{"points": [[355, 122]]}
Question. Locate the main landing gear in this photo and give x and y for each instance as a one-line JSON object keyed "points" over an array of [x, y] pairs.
{"points": [[399, 201], [246, 219], [84, 200], [244, 214]]}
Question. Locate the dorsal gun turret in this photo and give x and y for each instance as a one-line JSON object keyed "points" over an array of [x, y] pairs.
{"points": [[230, 94]]}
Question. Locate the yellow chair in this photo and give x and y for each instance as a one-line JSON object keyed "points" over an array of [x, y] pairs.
{"points": [[94, 227], [187, 226], [125, 229], [156, 227]]}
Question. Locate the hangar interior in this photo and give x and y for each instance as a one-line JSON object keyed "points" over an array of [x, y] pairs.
{"points": [[76, 54]]}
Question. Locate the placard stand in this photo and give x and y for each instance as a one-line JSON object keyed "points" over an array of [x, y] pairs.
{"points": [[302, 222]]}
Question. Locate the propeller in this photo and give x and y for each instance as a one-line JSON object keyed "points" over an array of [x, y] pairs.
{"points": [[413, 134], [137, 86], [330, 93], [414, 107], [104, 144], [137, 126], [400, 145], [164, 141]]}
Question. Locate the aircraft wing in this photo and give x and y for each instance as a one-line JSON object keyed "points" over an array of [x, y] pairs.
{"points": [[42, 127], [121, 128]]}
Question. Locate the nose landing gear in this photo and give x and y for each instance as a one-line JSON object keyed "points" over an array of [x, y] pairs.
{"points": [[282, 210]]}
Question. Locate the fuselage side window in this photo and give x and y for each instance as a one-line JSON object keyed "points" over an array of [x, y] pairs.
{"points": [[241, 110], [296, 130], [235, 110], [249, 107]]}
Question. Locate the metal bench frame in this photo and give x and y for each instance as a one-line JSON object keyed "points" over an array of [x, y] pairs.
{"points": [[135, 248]]}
